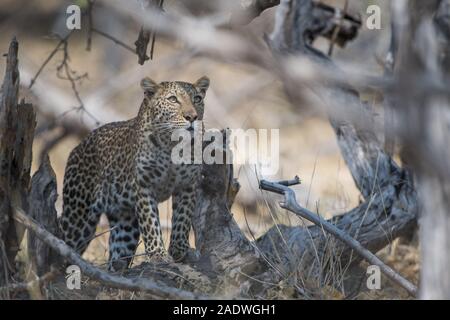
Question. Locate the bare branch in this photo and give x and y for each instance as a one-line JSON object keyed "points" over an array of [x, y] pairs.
{"points": [[291, 204], [50, 56], [115, 40], [93, 272], [64, 72], [92, 29]]}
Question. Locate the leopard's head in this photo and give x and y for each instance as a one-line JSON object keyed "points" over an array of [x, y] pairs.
{"points": [[172, 105]]}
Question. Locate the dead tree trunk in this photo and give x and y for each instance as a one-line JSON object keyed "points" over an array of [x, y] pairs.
{"points": [[41, 201], [17, 123], [224, 250]]}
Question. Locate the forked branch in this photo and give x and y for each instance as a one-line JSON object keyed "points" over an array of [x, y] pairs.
{"points": [[291, 204]]}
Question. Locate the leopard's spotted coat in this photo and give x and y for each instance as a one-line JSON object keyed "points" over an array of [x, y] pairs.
{"points": [[124, 169]]}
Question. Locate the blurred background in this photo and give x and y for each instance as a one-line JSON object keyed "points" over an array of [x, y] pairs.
{"points": [[240, 96]]}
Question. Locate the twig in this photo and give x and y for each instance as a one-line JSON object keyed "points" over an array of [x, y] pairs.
{"points": [[66, 73], [115, 40], [92, 29], [291, 204], [50, 56], [93, 272], [71, 76]]}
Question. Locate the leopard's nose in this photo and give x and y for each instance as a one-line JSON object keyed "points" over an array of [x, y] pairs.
{"points": [[191, 117]]}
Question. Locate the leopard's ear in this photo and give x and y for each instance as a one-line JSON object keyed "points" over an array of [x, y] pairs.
{"points": [[149, 86], [202, 84]]}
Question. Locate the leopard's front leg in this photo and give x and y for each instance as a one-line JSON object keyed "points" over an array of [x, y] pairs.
{"points": [[183, 205], [150, 227]]}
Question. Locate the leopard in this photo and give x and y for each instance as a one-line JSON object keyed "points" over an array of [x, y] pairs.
{"points": [[124, 170]]}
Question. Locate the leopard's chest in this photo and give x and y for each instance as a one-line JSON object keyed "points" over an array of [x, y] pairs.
{"points": [[157, 174]]}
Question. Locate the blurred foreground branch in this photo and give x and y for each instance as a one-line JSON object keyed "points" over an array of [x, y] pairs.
{"points": [[423, 55], [327, 21]]}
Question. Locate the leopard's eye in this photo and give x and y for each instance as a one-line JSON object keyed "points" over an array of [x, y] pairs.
{"points": [[198, 99], [172, 99]]}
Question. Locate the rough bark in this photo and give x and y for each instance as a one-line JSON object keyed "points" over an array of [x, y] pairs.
{"points": [[224, 250], [17, 123], [41, 201]]}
